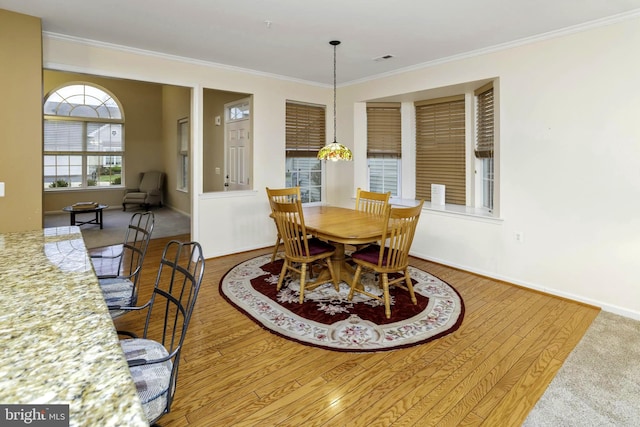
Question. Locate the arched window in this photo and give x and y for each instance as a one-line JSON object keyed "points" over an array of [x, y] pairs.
{"points": [[83, 138]]}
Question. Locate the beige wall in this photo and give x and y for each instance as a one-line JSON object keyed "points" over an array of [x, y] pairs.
{"points": [[21, 131], [176, 105], [213, 137]]}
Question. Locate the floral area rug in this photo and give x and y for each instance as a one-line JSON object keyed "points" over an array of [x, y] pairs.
{"points": [[328, 320]]}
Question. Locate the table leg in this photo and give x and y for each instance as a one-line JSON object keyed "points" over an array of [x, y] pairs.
{"points": [[338, 259], [73, 218], [99, 217], [343, 271]]}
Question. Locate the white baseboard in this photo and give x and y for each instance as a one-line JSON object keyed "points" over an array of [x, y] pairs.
{"points": [[547, 290]]}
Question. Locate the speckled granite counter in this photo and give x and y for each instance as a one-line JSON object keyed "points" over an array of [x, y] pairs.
{"points": [[58, 344]]}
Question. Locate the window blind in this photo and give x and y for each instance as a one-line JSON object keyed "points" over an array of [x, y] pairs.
{"points": [[484, 121], [440, 148], [384, 130], [305, 129]]}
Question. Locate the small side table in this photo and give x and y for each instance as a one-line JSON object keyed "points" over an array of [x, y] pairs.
{"points": [[97, 210]]}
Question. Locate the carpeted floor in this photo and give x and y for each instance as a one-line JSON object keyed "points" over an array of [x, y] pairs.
{"points": [[599, 383], [168, 222]]}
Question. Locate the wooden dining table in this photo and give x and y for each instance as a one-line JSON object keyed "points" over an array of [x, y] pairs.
{"points": [[342, 226]]}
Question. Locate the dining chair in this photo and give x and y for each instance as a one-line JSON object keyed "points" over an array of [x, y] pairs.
{"points": [[118, 267], [285, 195], [154, 357], [300, 251], [399, 229], [373, 203]]}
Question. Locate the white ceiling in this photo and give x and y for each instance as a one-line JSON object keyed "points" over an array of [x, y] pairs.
{"points": [[296, 43]]}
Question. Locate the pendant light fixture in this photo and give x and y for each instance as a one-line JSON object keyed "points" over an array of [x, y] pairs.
{"points": [[334, 151]]}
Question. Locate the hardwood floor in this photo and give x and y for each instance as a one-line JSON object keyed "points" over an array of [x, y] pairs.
{"points": [[490, 372]]}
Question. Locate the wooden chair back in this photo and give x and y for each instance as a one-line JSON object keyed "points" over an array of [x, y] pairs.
{"points": [[290, 222], [283, 195], [372, 202], [398, 233]]}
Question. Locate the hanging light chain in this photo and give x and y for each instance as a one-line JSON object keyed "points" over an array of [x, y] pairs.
{"points": [[334, 151], [334, 43]]}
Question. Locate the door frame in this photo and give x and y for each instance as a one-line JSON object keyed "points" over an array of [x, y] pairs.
{"points": [[228, 118]]}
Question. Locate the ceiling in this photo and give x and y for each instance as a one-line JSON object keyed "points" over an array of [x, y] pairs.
{"points": [[290, 38]]}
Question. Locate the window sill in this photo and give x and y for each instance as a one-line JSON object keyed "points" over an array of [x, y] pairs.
{"points": [[92, 188], [470, 212], [228, 194]]}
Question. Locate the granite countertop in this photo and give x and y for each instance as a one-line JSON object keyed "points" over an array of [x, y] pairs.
{"points": [[57, 340]]}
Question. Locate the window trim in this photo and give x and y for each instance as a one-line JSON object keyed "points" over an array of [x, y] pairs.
{"points": [[183, 154]]}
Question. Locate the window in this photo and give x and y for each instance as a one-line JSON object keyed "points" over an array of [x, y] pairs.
{"points": [[239, 112], [484, 141], [384, 146], [441, 148], [305, 136], [183, 154], [83, 138]]}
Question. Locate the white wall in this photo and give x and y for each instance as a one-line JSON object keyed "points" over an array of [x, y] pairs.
{"points": [[569, 166], [569, 170]]}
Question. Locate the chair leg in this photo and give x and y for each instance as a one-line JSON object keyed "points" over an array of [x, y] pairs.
{"points": [[354, 282], [385, 290], [275, 249], [407, 279], [303, 273], [334, 279], [285, 265]]}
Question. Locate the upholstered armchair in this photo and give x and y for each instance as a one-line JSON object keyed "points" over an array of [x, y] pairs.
{"points": [[148, 193]]}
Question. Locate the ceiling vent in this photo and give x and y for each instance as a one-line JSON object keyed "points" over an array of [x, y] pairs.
{"points": [[382, 58]]}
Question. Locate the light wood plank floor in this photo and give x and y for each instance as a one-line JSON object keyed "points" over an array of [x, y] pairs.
{"points": [[490, 372]]}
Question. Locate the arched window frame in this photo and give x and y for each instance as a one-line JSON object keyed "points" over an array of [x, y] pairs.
{"points": [[83, 138]]}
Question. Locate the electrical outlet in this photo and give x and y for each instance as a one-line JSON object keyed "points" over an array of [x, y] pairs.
{"points": [[519, 236]]}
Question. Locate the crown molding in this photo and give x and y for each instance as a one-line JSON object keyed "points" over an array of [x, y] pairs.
{"points": [[614, 19], [177, 58]]}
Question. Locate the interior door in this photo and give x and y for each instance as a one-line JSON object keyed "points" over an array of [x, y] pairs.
{"points": [[238, 146]]}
